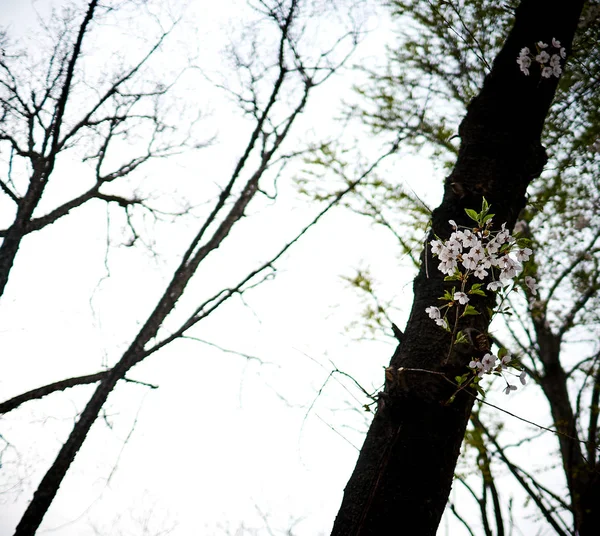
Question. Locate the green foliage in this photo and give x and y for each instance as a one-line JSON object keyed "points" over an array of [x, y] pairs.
{"points": [[461, 338], [476, 289], [443, 51], [375, 318], [470, 311]]}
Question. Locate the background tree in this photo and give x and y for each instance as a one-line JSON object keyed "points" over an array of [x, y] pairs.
{"points": [[48, 114], [64, 110]]}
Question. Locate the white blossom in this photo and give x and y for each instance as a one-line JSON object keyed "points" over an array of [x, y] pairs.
{"points": [[494, 286], [541, 44], [502, 236], [454, 247], [488, 361], [547, 72], [461, 297], [508, 266], [467, 238], [523, 254], [486, 262], [436, 246], [433, 312], [480, 272], [555, 43], [493, 246], [532, 285], [524, 64], [478, 367], [469, 262], [448, 267], [557, 71], [442, 322], [542, 57]]}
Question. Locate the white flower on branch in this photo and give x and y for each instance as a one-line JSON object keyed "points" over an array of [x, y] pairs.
{"points": [[531, 284], [433, 312], [549, 63], [461, 297]]}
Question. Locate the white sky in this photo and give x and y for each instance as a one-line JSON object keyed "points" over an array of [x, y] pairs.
{"points": [[223, 438]]}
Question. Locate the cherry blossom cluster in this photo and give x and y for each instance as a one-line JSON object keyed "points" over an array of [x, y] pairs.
{"points": [[487, 365], [470, 256], [475, 252], [549, 63]]}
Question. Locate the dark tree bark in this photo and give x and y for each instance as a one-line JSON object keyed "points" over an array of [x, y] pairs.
{"points": [[403, 476]]}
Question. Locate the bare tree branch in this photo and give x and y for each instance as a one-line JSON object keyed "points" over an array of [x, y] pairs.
{"points": [[46, 390], [546, 512]]}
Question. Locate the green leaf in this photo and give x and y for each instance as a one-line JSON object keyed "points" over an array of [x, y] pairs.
{"points": [[484, 205], [478, 389], [502, 352], [453, 277], [470, 311], [462, 379], [447, 296], [477, 291], [487, 218], [472, 214], [461, 338]]}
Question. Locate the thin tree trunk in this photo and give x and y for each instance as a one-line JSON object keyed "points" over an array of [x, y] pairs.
{"points": [[581, 475], [403, 475]]}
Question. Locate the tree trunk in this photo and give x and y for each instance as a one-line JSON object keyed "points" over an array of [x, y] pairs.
{"points": [[403, 475], [581, 474]]}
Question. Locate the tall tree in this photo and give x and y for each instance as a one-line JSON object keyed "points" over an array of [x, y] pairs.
{"points": [[405, 468], [436, 70]]}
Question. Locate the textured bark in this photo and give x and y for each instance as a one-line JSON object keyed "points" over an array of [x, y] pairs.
{"points": [[403, 476]]}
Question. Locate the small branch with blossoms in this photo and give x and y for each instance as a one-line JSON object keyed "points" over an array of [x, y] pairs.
{"points": [[468, 257], [549, 63]]}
